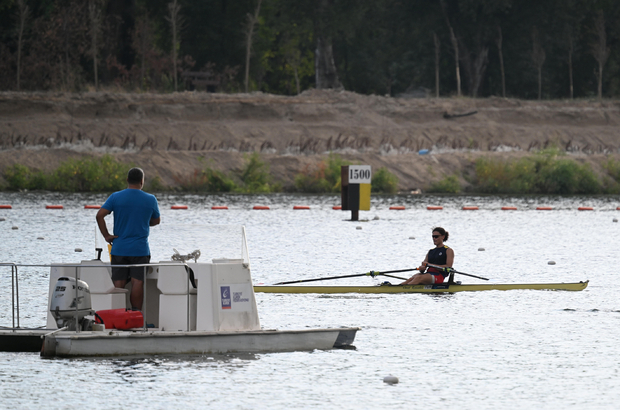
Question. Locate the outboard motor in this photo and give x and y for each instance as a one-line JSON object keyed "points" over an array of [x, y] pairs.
{"points": [[64, 303]]}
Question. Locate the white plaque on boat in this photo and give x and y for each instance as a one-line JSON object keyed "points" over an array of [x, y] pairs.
{"points": [[236, 297]]}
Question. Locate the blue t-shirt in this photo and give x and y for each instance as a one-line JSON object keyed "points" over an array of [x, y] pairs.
{"points": [[133, 210]]}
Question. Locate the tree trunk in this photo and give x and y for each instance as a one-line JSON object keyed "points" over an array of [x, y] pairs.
{"points": [[95, 19], [437, 55], [297, 80], [252, 20], [325, 68], [173, 18], [600, 51], [539, 82], [538, 57], [23, 13], [455, 47], [501, 60], [475, 66], [570, 65]]}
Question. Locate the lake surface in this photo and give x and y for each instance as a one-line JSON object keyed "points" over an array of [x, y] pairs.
{"points": [[480, 350]]}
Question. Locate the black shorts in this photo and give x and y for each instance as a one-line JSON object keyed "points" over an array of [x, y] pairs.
{"points": [[129, 272]]}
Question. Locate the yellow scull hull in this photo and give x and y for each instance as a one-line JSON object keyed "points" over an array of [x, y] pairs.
{"points": [[443, 288]]}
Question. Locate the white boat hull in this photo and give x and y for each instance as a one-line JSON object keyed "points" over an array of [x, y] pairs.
{"points": [[125, 343]]}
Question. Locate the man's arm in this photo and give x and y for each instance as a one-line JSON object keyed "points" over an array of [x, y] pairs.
{"points": [[101, 214], [154, 221]]}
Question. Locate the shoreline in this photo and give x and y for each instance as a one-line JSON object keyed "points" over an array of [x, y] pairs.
{"points": [[172, 135]]}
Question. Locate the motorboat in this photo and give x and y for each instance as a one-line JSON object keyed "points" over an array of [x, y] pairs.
{"points": [[189, 308]]}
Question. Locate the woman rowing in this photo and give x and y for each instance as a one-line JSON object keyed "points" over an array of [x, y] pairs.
{"points": [[431, 270]]}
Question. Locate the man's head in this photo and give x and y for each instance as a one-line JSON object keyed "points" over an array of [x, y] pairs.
{"points": [[135, 176]]}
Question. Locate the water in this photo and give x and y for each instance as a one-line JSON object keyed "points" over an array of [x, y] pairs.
{"points": [[479, 350]]}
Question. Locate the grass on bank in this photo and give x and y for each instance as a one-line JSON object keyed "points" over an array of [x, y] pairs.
{"points": [[74, 175], [253, 178], [546, 172]]}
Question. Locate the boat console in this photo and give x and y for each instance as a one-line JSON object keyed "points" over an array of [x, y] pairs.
{"points": [[179, 295]]}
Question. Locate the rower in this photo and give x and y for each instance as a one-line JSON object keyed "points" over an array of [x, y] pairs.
{"points": [[433, 270]]}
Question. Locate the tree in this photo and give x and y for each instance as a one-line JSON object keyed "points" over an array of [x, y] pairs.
{"points": [[599, 49], [538, 57], [455, 47], [21, 16], [571, 50], [94, 13], [437, 55], [251, 23], [176, 22], [325, 67], [498, 41]]}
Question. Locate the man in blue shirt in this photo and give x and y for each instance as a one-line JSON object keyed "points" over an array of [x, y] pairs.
{"points": [[134, 212]]}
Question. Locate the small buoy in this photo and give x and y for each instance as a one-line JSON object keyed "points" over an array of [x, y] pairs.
{"points": [[434, 208], [358, 228], [390, 379], [6, 207], [2, 219], [470, 208], [178, 207], [397, 208], [41, 238], [551, 263], [376, 218], [481, 249], [78, 249], [92, 206], [301, 207], [219, 207], [54, 207], [412, 237], [336, 207], [544, 208], [585, 208], [618, 208], [614, 220], [259, 207], [14, 227], [509, 208]]}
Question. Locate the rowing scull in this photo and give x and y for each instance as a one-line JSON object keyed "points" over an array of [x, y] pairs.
{"points": [[441, 288]]}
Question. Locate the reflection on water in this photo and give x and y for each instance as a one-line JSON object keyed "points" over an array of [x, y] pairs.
{"points": [[478, 350]]}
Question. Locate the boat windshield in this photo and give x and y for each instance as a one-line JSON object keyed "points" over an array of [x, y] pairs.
{"points": [[213, 242]]}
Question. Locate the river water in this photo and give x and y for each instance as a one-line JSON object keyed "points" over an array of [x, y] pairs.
{"points": [[480, 350]]}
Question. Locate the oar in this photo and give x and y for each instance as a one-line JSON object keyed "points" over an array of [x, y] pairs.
{"points": [[371, 273], [456, 271]]}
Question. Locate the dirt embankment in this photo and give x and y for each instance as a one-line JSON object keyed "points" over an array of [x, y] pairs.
{"points": [[171, 135]]}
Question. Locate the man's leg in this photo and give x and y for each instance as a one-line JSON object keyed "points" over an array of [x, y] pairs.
{"points": [[137, 293], [137, 281], [120, 283]]}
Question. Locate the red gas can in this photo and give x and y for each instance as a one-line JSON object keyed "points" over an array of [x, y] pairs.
{"points": [[121, 319]]}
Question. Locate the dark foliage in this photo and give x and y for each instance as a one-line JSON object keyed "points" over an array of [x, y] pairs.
{"points": [[378, 46]]}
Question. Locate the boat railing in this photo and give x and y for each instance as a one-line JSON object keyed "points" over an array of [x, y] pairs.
{"points": [[15, 286]]}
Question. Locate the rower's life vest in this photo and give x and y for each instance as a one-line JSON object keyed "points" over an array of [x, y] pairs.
{"points": [[437, 256]]}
